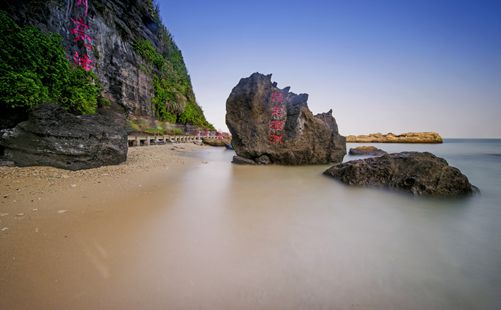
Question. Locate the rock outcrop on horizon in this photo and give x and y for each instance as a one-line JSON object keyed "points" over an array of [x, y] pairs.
{"points": [[422, 174], [366, 150], [409, 137], [273, 125], [53, 137]]}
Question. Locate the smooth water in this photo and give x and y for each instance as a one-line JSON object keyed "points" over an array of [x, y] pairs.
{"points": [[289, 237], [224, 236]]}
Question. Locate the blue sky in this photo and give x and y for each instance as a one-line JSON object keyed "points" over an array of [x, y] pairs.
{"points": [[427, 65]]}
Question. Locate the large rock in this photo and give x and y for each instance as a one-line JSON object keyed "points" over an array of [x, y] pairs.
{"points": [[54, 137], [415, 172], [266, 120], [408, 137]]}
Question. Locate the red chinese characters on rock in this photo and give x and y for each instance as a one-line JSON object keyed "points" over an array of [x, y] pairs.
{"points": [[83, 61], [85, 4], [274, 138], [278, 112], [277, 124], [278, 117], [81, 36], [277, 97], [80, 32]]}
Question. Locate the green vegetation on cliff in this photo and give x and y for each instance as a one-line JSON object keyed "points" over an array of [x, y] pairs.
{"points": [[174, 100], [34, 70]]}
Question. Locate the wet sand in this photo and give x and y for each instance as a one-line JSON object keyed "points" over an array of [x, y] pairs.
{"points": [[49, 217]]}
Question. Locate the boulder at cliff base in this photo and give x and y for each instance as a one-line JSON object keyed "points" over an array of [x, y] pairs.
{"points": [[54, 137]]}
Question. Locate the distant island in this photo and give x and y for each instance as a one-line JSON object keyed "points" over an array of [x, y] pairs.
{"points": [[408, 137]]}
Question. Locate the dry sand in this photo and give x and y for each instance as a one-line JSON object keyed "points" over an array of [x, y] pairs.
{"points": [[28, 192], [43, 210]]}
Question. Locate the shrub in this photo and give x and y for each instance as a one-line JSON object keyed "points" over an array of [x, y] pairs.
{"points": [[133, 126], [34, 70], [171, 83]]}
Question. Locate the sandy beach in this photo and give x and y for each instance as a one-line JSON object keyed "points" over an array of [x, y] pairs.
{"points": [[28, 193], [42, 207]]}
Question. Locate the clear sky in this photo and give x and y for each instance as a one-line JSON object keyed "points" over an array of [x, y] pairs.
{"points": [[423, 65]]}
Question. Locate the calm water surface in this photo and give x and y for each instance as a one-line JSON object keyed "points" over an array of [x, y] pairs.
{"points": [[288, 237], [224, 236]]}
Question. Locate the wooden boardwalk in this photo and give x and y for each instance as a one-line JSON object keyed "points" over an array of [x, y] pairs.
{"points": [[144, 140]]}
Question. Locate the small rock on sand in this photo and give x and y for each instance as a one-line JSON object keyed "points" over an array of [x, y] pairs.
{"points": [[62, 211]]}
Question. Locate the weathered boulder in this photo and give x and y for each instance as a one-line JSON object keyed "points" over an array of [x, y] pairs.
{"points": [[408, 137], [266, 120], [55, 137], [366, 150], [419, 173]]}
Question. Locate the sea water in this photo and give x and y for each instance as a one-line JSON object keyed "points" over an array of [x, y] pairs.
{"points": [[224, 236], [289, 237]]}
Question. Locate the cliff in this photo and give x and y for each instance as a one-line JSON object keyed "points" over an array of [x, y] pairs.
{"points": [[138, 66], [409, 137]]}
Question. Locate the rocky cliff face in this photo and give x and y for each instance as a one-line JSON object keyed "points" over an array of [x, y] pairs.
{"points": [[116, 29], [273, 125]]}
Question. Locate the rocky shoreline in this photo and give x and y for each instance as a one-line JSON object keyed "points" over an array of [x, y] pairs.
{"points": [[408, 137]]}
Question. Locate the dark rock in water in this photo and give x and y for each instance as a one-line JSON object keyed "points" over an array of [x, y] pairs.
{"points": [[242, 160], [366, 150], [266, 120], [419, 173], [55, 137]]}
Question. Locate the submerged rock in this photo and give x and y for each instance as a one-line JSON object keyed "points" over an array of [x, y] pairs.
{"points": [[55, 137], [419, 173], [265, 120], [239, 160], [215, 142], [408, 137], [366, 150]]}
